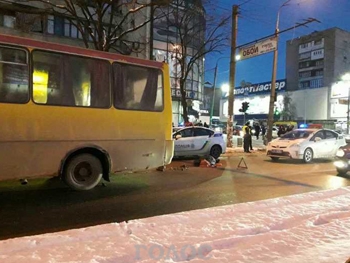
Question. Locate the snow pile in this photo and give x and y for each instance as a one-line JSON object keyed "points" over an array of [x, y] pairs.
{"points": [[312, 227]]}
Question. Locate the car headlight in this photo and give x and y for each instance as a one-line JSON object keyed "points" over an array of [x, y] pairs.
{"points": [[340, 153], [339, 164], [295, 145]]}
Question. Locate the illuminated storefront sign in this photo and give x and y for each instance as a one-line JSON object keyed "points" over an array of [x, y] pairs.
{"points": [[260, 88]]}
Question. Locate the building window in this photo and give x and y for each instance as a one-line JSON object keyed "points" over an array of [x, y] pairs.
{"points": [[9, 21], [70, 30], [316, 83], [319, 63], [304, 55], [319, 72], [304, 84], [50, 24], [305, 45], [304, 64], [305, 74], [318, 42]]}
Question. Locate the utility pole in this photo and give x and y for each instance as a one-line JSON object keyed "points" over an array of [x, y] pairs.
{"points": [[274, 73], [230, 119], [213, 98]]}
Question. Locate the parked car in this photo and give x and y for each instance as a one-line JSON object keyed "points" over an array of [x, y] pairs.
{"points": [[342, 163], [198, 141], [306, 144]]}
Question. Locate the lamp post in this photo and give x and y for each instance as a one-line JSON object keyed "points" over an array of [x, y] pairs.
{"points": [[346, 79], [274, 71], [214, 89]]}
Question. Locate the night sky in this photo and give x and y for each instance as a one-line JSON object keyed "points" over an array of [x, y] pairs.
{"points": [[258, 19]]}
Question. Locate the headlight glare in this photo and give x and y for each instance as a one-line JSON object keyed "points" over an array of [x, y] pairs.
{"points": [[340, 153]]}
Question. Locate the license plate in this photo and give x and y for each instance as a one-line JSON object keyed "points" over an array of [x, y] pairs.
{"points": [[276, 151]]}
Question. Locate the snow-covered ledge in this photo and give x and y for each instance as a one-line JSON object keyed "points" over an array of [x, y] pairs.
{"points": [[312, 227]]}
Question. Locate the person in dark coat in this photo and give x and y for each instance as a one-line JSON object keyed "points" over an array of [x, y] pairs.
{"points": [[281, 131], [206, 125], [247, 138], [257, 131], [251, 141], [263, 131]]}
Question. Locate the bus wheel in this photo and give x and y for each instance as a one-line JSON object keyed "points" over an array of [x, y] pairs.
{"points": [[83, 172]]}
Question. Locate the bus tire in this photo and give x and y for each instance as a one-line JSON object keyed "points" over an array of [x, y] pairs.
{"points": [[83, 172]]}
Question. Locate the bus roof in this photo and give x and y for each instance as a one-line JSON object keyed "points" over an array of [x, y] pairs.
{"points": [[33, 43]]}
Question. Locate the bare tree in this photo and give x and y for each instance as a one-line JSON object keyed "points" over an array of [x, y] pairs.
{"points": [[289, 109], [193, 33], [101, 23]]}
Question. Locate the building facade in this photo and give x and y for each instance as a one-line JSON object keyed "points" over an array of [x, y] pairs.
{"points": [[178, 32], [35, 19], [314, 63]]}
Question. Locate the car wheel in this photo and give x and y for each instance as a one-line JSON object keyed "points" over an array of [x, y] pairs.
{"points": [[341, 172], [308, 155], [275, 159], [215, 151], [83, 172]]}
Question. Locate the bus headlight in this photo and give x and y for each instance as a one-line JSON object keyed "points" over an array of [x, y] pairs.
{"points": [[340, 153]]}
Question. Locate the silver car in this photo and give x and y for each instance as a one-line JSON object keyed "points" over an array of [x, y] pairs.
{"points": [[198, 141], [306, 144]]}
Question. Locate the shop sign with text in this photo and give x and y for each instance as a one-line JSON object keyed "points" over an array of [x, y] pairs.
{"points": [[259, 48]]}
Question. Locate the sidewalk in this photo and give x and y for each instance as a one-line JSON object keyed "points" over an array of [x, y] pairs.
{"points": [[258, 145]]}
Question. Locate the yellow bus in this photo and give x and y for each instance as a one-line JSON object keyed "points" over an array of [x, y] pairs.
{"points": [[80, 114]]}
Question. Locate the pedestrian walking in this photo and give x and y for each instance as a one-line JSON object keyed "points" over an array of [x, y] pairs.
{"points": [[206, 125]]}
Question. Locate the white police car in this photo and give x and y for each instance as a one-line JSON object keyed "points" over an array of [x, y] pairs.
{"points": [[306, 144], [198, 141]]}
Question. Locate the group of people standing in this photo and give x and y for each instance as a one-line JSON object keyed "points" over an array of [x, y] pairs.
{"points": [[247, 137], [282, 129]]}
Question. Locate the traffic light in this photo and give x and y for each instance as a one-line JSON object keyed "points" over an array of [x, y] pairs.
{"points": [[277, 113], [245, 106]]}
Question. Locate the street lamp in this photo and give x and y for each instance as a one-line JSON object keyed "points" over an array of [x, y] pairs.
{"points": [[214, 88], [346, 78], [274, 72]]}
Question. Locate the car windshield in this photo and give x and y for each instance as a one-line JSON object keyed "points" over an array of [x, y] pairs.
{"points": [[296, 134]]}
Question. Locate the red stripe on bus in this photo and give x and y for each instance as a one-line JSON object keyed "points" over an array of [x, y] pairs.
{"points": [[26, 42]]}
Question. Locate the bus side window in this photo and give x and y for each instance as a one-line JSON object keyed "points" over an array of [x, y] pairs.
{"points": [[137, 88], [68, 80], [14, 75]]}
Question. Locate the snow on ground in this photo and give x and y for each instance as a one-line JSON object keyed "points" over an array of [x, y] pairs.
{"points": [[312, 227]]}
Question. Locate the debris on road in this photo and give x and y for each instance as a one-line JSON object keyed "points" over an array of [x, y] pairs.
{"points": [[182, 167]]}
